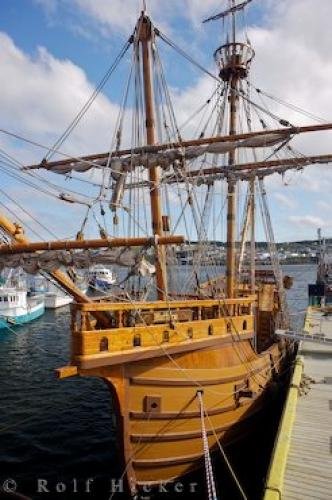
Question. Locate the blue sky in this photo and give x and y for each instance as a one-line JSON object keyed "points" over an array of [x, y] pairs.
{"points": [[53, 52], [68, 32]]}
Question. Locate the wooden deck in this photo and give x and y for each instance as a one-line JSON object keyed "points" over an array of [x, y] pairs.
{"points": [[308, 472]]}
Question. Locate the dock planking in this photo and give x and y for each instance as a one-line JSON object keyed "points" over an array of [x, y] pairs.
{"points": [[308, 473]]}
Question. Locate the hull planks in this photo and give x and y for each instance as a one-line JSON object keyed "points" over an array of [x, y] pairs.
{"points": [[157, 408], [155, 359]]}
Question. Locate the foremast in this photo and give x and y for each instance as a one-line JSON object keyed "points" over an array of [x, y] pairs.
{"points": [[145, 37]]}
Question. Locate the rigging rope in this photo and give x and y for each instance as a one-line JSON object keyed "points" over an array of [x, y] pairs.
{"points": [[48, 148], [184, 54], [17, 166], [267, 223], [169, 42], [289, 105], [30, 215], [207, 457], [222, 451], [89, 102]]}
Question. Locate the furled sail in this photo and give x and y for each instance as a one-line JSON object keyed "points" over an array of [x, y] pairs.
{"points": [[166, 158], [48, 261]]}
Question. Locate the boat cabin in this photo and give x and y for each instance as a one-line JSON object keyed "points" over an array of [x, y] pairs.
{"points": [[11, 298], [101, 272]]}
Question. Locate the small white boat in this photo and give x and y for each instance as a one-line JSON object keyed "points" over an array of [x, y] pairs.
{"points": [[16, 308], [54, 296], [101, 278], [54, 300]]}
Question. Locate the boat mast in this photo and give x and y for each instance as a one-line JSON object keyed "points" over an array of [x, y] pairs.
{"points": [[231, 184], [252, 236], [233, 59], [145, 36]]}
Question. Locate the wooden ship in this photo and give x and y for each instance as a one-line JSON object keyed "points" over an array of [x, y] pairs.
{"points": [[188, 360]]}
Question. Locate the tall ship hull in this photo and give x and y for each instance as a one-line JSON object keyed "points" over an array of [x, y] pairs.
{"points": [[163, 373], [158, 407]]}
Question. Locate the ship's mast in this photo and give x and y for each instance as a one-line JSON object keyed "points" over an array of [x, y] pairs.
{"points": [[252, 236], [145, 37], [233, 60], [231, 190]]}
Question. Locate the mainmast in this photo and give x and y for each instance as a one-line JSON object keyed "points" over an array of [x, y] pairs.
{"points": [[233, 59], [145, 37]]}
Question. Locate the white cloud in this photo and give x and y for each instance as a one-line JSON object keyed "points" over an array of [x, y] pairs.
{"points": [[323, 205], [41, 94], [293, 55], [186, 101], [307, 220], [293, 61], [119, 15], [284, 200]]}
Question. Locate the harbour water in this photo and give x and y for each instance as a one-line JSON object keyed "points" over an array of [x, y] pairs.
{"points": [[57, 438]]}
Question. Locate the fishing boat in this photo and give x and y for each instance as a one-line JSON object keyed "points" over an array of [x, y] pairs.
{"points": [[54, 296], [56, 299], [188, 352], [101, 278], [16, 308]]}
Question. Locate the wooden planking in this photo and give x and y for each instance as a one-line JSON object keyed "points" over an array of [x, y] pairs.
{"points": [[309, 465], [117, 306], [120, 339], [181, 382], [168, 447], [144, 353]]}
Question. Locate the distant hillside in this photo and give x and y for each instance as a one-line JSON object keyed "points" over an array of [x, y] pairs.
{"points": [[285, 245]]}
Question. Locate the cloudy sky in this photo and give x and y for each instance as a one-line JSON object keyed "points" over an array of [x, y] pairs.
{"points": [[53, 53]]}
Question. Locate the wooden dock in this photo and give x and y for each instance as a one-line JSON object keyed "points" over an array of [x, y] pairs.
{"points": [[301, 466]]}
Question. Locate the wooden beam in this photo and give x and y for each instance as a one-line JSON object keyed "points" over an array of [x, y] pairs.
{"points": [[194, 142], [24, 246], [90, 361], [176, 304], [66, 371], [288, 162], [269, 164]]}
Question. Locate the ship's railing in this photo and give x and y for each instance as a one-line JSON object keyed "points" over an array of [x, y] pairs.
{"points": [[130, 314], [149, 324]]}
